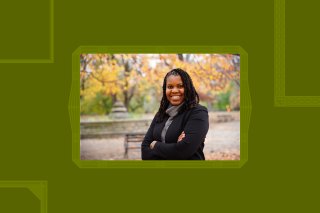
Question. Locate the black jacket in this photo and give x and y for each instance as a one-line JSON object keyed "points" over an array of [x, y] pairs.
{"points": [[194, 123]]}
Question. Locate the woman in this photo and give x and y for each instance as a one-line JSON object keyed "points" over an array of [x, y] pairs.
{"points": [[179, 128]]}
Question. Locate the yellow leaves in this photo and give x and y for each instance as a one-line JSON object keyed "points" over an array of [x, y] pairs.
{"points": [[112, 90], [111, 77], [108, 90], [207, 66], [133, 73], [83, 74]]}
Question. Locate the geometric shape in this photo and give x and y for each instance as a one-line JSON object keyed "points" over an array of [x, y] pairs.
{"points": [[36, 191], [278, 103], [279, 64], [74, 106], [302, 101], [302, 36], [18, 199], [38, 188], [27, 35]]}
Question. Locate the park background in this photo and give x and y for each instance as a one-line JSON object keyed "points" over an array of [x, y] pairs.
{"points": [[121, 93], [281, 173]]}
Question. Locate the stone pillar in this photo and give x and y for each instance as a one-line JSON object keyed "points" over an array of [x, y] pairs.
{"points": [[119, 110]]}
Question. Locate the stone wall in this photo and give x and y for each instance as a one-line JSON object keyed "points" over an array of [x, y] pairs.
{"points": [[113, 128], [119, 127]]}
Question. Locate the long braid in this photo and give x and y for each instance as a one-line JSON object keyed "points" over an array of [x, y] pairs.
{"points": [[190, 94]]}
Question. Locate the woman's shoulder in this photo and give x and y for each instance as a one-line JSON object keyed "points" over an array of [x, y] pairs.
{"points": [[198, 112], [199, 107]]}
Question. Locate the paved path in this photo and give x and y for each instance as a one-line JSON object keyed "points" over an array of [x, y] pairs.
{"points": [[221, 137]]}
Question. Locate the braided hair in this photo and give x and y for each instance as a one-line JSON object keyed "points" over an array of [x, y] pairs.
{"points": [[191, 96]]}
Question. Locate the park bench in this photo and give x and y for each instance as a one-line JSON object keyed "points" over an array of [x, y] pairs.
{"points": [[224, 117], [132, 141]]}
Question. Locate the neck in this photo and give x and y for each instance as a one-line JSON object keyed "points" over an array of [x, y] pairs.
{"points": [[170, 104]]}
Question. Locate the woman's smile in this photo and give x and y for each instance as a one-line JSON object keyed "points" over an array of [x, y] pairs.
{"points": [[176, 97]]}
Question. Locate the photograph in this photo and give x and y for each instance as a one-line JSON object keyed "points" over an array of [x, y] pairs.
{"points": [[159, 106]]}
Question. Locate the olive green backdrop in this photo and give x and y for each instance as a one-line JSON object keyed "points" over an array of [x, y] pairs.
{"points": [[37, 41]]}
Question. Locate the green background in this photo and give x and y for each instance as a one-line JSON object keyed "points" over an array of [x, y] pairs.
{"points": [[282, 169], [302, 49], [15, 200], [25, 29]]}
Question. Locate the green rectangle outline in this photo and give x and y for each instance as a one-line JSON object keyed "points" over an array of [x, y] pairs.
{"points": [[280, 99], [74, 106], [38, 188], [51, 59]]}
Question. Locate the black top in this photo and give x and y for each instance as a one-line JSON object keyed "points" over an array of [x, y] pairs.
{"points": [[194, 123]]}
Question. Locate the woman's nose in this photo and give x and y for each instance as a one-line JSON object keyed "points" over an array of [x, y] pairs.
{"points": [[175, 90]]}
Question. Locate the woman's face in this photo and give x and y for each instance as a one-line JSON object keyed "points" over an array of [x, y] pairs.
{"points": [[175, 89]]}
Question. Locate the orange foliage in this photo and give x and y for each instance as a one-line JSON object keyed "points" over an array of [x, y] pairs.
{"points": [[134, 72]]}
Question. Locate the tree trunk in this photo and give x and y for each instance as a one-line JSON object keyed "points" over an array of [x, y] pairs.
{"points": [[126, 99], [114, 98], [126, 92], [84, 69], [180, 56], [188, 57]]}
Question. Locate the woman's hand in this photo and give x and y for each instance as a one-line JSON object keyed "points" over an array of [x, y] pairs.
{"points": [[181, 137], [153, 143]]}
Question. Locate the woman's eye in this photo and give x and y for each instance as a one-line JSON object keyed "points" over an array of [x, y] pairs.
{"points": [[180, 86]]}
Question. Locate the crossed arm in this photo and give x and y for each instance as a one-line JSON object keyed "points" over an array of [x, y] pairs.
{"points": [[195, 132], [146, 151]]}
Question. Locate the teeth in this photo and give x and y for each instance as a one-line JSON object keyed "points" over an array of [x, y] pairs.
{"points": [[175, 96]]}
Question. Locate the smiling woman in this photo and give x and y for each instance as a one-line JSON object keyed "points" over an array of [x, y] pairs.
{"points": [[179, 128]]}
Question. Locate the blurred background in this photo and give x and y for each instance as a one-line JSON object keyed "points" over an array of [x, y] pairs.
{"points": [[121, 93]]}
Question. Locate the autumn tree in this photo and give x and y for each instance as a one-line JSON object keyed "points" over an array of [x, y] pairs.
{"points": [[130, 76], [99, 75]]}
